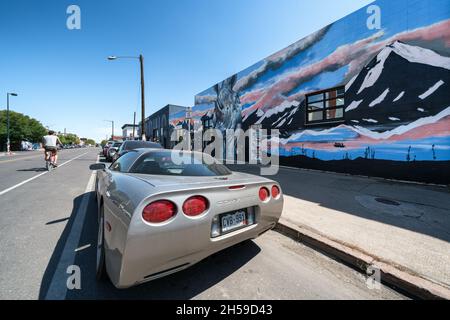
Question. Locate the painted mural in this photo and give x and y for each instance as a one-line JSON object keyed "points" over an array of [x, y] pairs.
{"points": [[397, 94]]}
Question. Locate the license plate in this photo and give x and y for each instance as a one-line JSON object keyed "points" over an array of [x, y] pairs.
{"points": [[233, 221]]}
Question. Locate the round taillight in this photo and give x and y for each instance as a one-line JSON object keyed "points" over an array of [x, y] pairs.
{"points": [[159, 211], [195, 206], [275, 192], [264, 194]]}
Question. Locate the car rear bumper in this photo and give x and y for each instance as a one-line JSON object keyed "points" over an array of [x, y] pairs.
{"points": [[154, 252]]}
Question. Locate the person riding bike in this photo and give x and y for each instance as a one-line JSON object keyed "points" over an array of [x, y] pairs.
{"points": [[50, 143]]}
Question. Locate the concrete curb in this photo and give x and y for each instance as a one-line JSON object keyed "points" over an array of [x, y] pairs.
{"points": [[391, 275]]}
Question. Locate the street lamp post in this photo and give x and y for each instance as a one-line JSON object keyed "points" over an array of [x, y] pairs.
{"points": [[112, 128], [189, 118], [8, 143], [134, 123], [141, 63]]}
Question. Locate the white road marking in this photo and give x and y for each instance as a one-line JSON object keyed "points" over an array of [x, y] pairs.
{"points": [[83, 247], [37, 176], [58, 286]]}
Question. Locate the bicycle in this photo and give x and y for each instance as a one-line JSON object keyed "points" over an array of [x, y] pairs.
{"points": [[50, 162]]}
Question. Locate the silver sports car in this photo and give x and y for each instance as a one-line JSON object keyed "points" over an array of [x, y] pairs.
{"points": [[159, 215]]}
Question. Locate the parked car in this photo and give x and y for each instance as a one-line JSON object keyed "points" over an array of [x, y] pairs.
{"points": [[158, 215], [112, 150], [26, 146], [106, 147], [134, 144]]}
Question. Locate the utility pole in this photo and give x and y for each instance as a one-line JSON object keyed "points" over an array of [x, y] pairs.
{"points": [[188, 118], [134, 123], [141, 61], [112, 128]]}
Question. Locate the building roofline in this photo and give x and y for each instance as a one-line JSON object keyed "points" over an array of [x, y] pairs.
{"points": [[129, 125]]}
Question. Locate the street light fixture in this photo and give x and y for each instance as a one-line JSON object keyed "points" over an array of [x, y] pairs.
{"points": [[141, 63], [8, 143]]}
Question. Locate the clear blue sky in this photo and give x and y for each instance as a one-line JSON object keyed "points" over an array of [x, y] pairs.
{"points": [[64, 80]]}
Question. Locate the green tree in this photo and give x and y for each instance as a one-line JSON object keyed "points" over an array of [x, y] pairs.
{"points": [[91, 142], [62, 139], [69, 138], [22, 127], [103, 143]]}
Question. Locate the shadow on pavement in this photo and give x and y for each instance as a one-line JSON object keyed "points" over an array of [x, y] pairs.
{"points": [[185, 284], [57, 221], [42, 169], [57, 252], [340, 192]]}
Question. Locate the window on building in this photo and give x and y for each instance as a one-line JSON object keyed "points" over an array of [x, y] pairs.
{"points": [[325, 106]]}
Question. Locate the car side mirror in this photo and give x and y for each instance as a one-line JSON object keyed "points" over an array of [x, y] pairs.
{"points": [[97, 166]]}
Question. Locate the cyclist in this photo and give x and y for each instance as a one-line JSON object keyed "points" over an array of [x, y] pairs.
{"points": [[50, 143]]}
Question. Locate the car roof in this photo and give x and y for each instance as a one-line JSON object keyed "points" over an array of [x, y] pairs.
{"points": [[141, 144], [150, 149], [185, 152]]}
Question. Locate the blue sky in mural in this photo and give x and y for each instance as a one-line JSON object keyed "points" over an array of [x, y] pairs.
{"points": [[339, 34], [323, 80]]}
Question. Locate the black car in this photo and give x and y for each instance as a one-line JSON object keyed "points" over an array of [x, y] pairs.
{"points": [[134, 144]]}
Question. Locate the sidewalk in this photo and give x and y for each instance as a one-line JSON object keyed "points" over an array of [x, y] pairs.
{"points": [[404, 229], [18, 153]]}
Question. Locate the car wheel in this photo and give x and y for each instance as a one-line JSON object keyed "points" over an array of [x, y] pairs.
{"points": [[100, 262]]}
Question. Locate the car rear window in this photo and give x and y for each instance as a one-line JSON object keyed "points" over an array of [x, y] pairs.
{"points": [[124, 163], [162, 163], [130, 145]]}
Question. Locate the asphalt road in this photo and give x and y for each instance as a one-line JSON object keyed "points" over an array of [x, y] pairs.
{"points": [[48, 223]]}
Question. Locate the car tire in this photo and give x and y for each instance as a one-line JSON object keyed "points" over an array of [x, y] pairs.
{"points": [[100, 252]]}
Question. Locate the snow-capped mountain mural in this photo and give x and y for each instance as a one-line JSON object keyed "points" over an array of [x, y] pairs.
{"points": [[384, 90], [397, 95]]}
